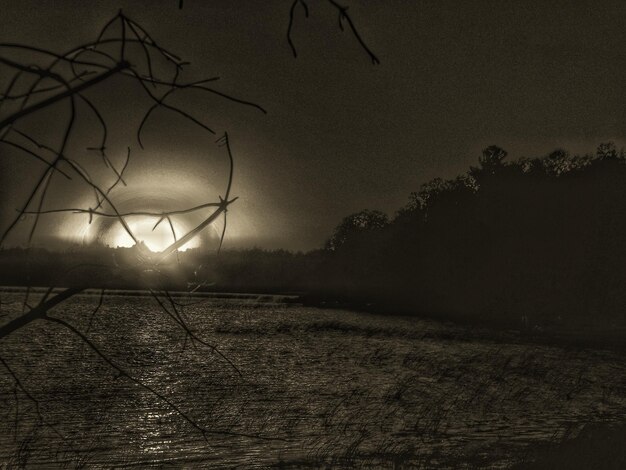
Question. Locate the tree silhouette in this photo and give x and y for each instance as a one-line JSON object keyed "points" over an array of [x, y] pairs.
{"points": [[529, 243], [354, 225], [491, 158]]}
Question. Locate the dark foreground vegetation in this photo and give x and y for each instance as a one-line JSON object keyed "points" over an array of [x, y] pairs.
{"points": [[597, 446], [536, 243]]}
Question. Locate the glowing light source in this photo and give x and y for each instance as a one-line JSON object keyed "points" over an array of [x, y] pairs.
{"points": [[155, 240]]}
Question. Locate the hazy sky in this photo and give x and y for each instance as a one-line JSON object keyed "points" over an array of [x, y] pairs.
{"points": [[342, 134]]}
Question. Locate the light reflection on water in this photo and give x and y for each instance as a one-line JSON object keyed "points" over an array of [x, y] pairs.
{"points": [[335, 386]]}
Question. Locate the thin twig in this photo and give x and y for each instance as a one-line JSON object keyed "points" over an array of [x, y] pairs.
{"points": [[20, 385], [122, 373]]}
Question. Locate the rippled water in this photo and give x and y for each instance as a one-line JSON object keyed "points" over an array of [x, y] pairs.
{"points": [[317, 388]]}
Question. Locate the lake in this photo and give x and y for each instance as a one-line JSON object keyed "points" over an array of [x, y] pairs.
{"points": [[308, 388]]}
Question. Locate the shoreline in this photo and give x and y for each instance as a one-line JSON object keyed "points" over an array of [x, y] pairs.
{"points": [[613, 339], [477, 327]]}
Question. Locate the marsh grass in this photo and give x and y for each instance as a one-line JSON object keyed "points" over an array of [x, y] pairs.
{"points": [[340, 388]]}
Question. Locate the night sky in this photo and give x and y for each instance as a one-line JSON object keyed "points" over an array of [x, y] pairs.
{"points": [[340, 133]]}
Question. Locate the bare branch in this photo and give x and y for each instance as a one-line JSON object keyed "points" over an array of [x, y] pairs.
{"points": [[48, 179], [95, 311], [20, 96], [178, 319], [71, 91], [290, 26], [38, 312], [122, 373], [160, 215], [104, 59], [104, 196], [343, 16], [37, 156], [222, 207], [20, 385]]}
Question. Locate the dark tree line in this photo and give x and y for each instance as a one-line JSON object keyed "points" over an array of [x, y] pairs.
{"points": [[533, 241]]}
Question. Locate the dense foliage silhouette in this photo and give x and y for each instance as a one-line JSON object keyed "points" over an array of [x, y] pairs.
{"points": [[537, 241]]}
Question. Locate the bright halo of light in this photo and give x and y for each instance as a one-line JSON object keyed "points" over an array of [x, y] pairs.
{"points": [[155, 240]]}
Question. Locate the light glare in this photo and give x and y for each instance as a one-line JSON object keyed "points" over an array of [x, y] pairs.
{"points": [[155, 240]]}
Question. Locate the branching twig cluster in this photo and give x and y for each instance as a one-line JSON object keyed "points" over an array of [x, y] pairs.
{"points": [[102, 63], [343, 19], [64, 81], [123, 49]]}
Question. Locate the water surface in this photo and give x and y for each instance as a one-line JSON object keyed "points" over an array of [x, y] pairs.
{"points": [[311, 388]]}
